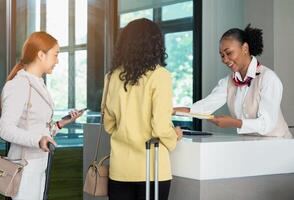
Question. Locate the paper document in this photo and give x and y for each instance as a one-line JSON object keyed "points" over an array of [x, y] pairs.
{"points": [[195, 115]]}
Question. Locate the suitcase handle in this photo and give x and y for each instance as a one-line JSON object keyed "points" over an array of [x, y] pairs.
{"points": [[51, 147], [148, 143], [154, 141]]}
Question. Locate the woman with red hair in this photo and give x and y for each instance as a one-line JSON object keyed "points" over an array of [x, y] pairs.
{"points": [[27, 110]]}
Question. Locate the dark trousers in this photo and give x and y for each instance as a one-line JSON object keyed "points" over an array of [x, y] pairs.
{"points": [[136, 190]]}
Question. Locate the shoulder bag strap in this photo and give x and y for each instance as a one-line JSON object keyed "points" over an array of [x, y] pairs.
{"points": [[29, 105], [27, 116], [103, 104]]}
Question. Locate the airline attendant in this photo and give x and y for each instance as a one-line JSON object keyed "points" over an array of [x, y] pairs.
{"points": [[252, 91]]}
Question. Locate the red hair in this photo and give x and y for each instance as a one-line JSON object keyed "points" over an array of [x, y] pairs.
{"points": [[37, 41]]}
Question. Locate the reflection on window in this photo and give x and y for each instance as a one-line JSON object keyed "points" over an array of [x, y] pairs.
{"points": [[179, 63], [128, 17], [81, 79], [81, 21], [177, 11], [57, 82], [57, 20]]}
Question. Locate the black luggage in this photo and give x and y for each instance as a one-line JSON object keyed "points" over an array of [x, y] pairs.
{"points": [[51, 148]]}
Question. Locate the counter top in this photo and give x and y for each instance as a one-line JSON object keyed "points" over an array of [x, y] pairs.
{"points": [[221, 137], [229, 156]]}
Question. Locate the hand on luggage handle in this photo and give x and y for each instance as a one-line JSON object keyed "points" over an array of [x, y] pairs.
{"points": [[154, 141], [51, 147]]}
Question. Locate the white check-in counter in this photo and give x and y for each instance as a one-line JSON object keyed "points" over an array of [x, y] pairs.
{"points": [[233, 167], [220, 167]]}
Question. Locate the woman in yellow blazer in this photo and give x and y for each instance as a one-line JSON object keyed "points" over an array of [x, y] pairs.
{"points": [[138, 107]]}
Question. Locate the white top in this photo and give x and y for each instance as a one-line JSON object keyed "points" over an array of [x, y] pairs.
{"points": [[25, 134], [41, 83], [271, 96]]}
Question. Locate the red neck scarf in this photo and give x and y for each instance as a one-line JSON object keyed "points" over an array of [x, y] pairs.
{"points": [[247, 81]]}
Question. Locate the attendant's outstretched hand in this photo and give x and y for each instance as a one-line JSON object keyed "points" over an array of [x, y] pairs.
{"points": [[180, 109], [224, 121]]}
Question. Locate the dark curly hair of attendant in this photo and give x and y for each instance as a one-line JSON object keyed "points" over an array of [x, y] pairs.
{"points": [[139, 49], [252, 36]]}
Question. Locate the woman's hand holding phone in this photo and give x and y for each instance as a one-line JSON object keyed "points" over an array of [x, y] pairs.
{"points": [[71, 117]]}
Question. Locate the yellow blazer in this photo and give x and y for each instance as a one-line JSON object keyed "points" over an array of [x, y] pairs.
{"points": [[133, 117]]}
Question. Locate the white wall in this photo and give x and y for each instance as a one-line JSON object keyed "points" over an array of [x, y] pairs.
{"points": [[260, 13], [218, 17], [284, 53]]}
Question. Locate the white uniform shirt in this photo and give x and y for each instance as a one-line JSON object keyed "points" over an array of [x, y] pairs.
{"points": [[268, 108]]}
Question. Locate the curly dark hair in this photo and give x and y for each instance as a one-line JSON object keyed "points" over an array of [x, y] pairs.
{"points": [[252, 36], [139, 49]]}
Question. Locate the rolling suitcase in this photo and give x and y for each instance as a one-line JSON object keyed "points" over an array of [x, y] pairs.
{"points": [[51, 148], [154, 141]]}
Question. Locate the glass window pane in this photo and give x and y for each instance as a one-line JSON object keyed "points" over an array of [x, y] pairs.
{"points": [[57, 20], [127, 17], [2, 147], [57, 82], [38, 15], [81, 21], [81, 79], [33, 15], [176, 11], [180, 58], [27, 19]]}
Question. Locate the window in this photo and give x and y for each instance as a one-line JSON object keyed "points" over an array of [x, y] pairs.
{"points": [[67, 21], [81, 78], [2, 147], [57, 82], [177, 11], [127, 17], [180, 57], [175, 21], [57, 20], [37, 8], [81, 21]]}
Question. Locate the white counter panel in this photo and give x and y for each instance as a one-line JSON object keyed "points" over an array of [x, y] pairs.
{"points": [[220, 156]]}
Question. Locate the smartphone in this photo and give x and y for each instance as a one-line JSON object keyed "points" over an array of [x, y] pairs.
{"points": [[69, 116]]}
